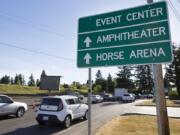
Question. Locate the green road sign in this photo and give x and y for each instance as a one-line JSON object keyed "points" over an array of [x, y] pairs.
{"points": [[137, 35]]}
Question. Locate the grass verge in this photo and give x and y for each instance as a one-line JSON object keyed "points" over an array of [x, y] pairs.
{"points": [[136, 125], [18, 89], [27, 90], [169, 103]]}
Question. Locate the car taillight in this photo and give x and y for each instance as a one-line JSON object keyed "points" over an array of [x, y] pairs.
{"points": [[60, 107]]}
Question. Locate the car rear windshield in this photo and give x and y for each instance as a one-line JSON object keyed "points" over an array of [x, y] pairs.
{"points": [[51, 101]]}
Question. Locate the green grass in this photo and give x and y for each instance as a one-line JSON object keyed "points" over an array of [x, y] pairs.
{"points": [[136, 125], [18, 89], [169, 103], [25, 90]]}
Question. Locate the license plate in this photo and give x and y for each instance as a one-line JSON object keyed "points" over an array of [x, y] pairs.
{"points": [[45, 117]]}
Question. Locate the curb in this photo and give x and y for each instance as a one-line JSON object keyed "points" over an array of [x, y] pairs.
{"points": [[128, 114]]}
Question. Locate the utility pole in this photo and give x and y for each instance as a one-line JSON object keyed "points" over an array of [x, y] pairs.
{"points": [[161, 108]]}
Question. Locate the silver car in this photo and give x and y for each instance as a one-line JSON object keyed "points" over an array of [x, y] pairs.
{"points": [[96, 99], [8, 107]]}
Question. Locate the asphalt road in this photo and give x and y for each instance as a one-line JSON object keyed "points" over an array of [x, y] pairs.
{"points": [[27, 125]]}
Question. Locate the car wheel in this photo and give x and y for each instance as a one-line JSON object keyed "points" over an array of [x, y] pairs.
{"points": [[20, 112], [41, 123], [67, 122], [86, 115]]}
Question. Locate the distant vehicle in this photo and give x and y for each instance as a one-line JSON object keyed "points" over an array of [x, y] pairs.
{"points": [[134, 95], [81, 97], [119, 92], [148, 96], [128, 98], [9, 107], [138, 96], [61, 109], [96, 99], [108, 97]]}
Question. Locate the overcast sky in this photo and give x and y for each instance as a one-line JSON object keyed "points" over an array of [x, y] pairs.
{"points": [[42, 34]]}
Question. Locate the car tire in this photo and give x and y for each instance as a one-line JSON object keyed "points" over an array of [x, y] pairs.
{"points": [[20, 112], [85, 115], [41, 123], [67, 121]]}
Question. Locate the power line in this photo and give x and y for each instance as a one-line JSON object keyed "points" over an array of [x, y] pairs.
{"points": [[43, 27], [34, 51], [178, 1], [174, 10]]}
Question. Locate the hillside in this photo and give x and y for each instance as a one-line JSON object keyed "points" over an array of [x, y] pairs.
{"points": [[27, 90], [18, 89]]}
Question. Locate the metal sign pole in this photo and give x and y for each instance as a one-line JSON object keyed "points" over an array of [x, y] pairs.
{"points": [[89, 102]]}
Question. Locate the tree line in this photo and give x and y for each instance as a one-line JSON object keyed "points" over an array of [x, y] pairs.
{"points": [[137, 79], [19, 79], [172, 75]]}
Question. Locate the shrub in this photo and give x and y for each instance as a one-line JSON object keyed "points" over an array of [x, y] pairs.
{"points": [[173, 95], [98, 88]]}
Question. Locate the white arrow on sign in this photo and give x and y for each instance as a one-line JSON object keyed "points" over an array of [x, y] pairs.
{"points": [[87, 41], [87, 58]]}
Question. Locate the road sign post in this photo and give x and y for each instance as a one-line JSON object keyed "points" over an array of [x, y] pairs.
{"points": [[138, 35], [161, 108], [89, 101]]}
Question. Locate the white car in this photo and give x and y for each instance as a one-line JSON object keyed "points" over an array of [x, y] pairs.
{"points": [[128, 98], [61, 109], [96, 99], [8, 107]]}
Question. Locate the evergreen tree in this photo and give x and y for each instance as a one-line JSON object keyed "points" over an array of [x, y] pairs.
{"points": [[43, 73], [31, 81], [166, 82], [23, 82], [177, 68], [21, 79], [37, 82], [123, 79], [65, 85], [150, 83], [144, 80], [76, 85], [100, 81], [170, 75], [110, 84], [16, 79], [5, 80], [98, 77], [12, 80], [173, 70]]}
